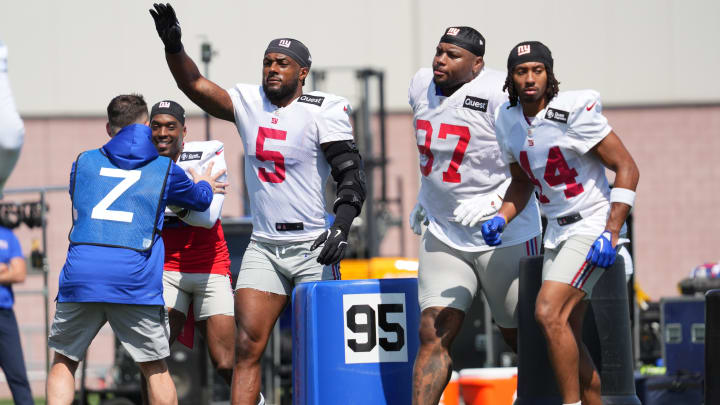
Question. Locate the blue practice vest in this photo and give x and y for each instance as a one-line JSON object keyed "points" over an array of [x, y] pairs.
{"points": [[115, 207]]}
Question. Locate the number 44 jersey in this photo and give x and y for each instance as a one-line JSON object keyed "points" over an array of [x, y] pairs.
{"points": [[460, 157], [285, 167], [552, 149]]}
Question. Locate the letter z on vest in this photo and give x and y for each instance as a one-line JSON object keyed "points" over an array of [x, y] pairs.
{"points": [[115, 207]]}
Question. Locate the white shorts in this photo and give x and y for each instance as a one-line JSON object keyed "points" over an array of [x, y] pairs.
{"points": [[449, 277], [277, 268], [566, 264], [211, 294]]}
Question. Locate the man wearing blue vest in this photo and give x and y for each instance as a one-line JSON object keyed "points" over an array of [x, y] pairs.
{"points": [[114, 267], [12, 270]]}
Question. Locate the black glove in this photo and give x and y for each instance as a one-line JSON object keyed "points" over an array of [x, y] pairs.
{"points": [[335, 240], [167, 26]]}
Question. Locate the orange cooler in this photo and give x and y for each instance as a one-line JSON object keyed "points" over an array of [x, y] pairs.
{"points": [[483, 386], [451, 395]]}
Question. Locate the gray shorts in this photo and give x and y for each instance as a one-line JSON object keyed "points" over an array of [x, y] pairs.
{"points": [[277, 268], [142, 329], [211, 294], [448, 277], [566, 264]]}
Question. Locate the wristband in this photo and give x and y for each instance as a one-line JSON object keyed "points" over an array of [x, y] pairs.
{"points": [[622, 195], [503, 216]]}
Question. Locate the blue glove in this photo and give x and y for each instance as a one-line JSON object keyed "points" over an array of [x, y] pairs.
{"points": [[602, 253], [492, 229]]}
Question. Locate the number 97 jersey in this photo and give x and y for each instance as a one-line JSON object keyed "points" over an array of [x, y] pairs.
{"points": [[460, 158], [552, 149]]}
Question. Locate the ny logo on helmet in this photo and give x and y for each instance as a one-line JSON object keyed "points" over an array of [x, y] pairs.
{"points": [[523, 49], [284, 43]]}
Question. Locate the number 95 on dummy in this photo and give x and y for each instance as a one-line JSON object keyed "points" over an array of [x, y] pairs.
{"points": [[375, 328]]}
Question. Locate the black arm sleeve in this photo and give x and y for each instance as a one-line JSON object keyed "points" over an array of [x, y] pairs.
{"points": [[348, 172]]}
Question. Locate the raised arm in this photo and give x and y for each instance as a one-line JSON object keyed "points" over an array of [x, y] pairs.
{"points": [[206, 94]]}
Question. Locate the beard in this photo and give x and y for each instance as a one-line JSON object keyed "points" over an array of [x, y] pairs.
{"points": [[447, 87], [281, 93]]}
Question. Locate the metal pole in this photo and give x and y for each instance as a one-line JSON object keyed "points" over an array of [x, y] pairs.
{"points": [[46, 270], [368, 141], [207, 52], [489, 341], [383, 154]]}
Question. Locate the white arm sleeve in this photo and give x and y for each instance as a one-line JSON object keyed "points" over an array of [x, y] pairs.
{"points": [[207, 218]]}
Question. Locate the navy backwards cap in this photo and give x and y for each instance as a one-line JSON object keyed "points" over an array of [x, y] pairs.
{"points": [[529, 51], [465, 37], [169, 107], [292, 48]]}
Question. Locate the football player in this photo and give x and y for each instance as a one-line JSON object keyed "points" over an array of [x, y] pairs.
{"points": [[559, 145], [454, 106], [197, 262], [292, 143]]}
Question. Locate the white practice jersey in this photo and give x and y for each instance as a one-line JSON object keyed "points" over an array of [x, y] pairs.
{"points": [[285, 167], [197, 156], [460, 158], [12, 131], [552, 150]]}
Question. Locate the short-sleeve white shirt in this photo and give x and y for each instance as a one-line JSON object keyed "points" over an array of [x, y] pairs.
{"points": [[285, 168]]}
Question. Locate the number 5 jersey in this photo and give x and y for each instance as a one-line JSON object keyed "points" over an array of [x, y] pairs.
{"points": [[552, 149], [285, 167], [460, 158]]}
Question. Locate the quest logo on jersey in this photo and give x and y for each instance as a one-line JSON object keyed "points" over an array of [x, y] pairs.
{"points": [[557, 115], [185, 156], [316, 100], [475, 103]]}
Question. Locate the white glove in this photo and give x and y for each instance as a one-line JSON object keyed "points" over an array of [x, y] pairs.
{"points": [[417, 219], [477, 209]]}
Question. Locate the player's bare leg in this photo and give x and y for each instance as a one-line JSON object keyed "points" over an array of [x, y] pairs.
{"points": [[555, 303], [161, 388], [219, 333], [61, 381], [438, 328], [590, 391], [255, 314]]}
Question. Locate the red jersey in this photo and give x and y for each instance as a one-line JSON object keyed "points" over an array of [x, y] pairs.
{"points": [[194, 249]]}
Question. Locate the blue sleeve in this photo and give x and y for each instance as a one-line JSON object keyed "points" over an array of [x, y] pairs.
{"points": [[14, 249], [72, 179], [185, 193]]}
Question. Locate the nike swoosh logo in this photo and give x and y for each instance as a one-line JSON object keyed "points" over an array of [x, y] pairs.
{"points": [[337, 233], [601, 245], [592, 105]]}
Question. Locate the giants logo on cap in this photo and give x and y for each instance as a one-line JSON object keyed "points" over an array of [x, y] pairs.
{"points": [[164, 104], [284, 43], [453, 31], [523, 49]]}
